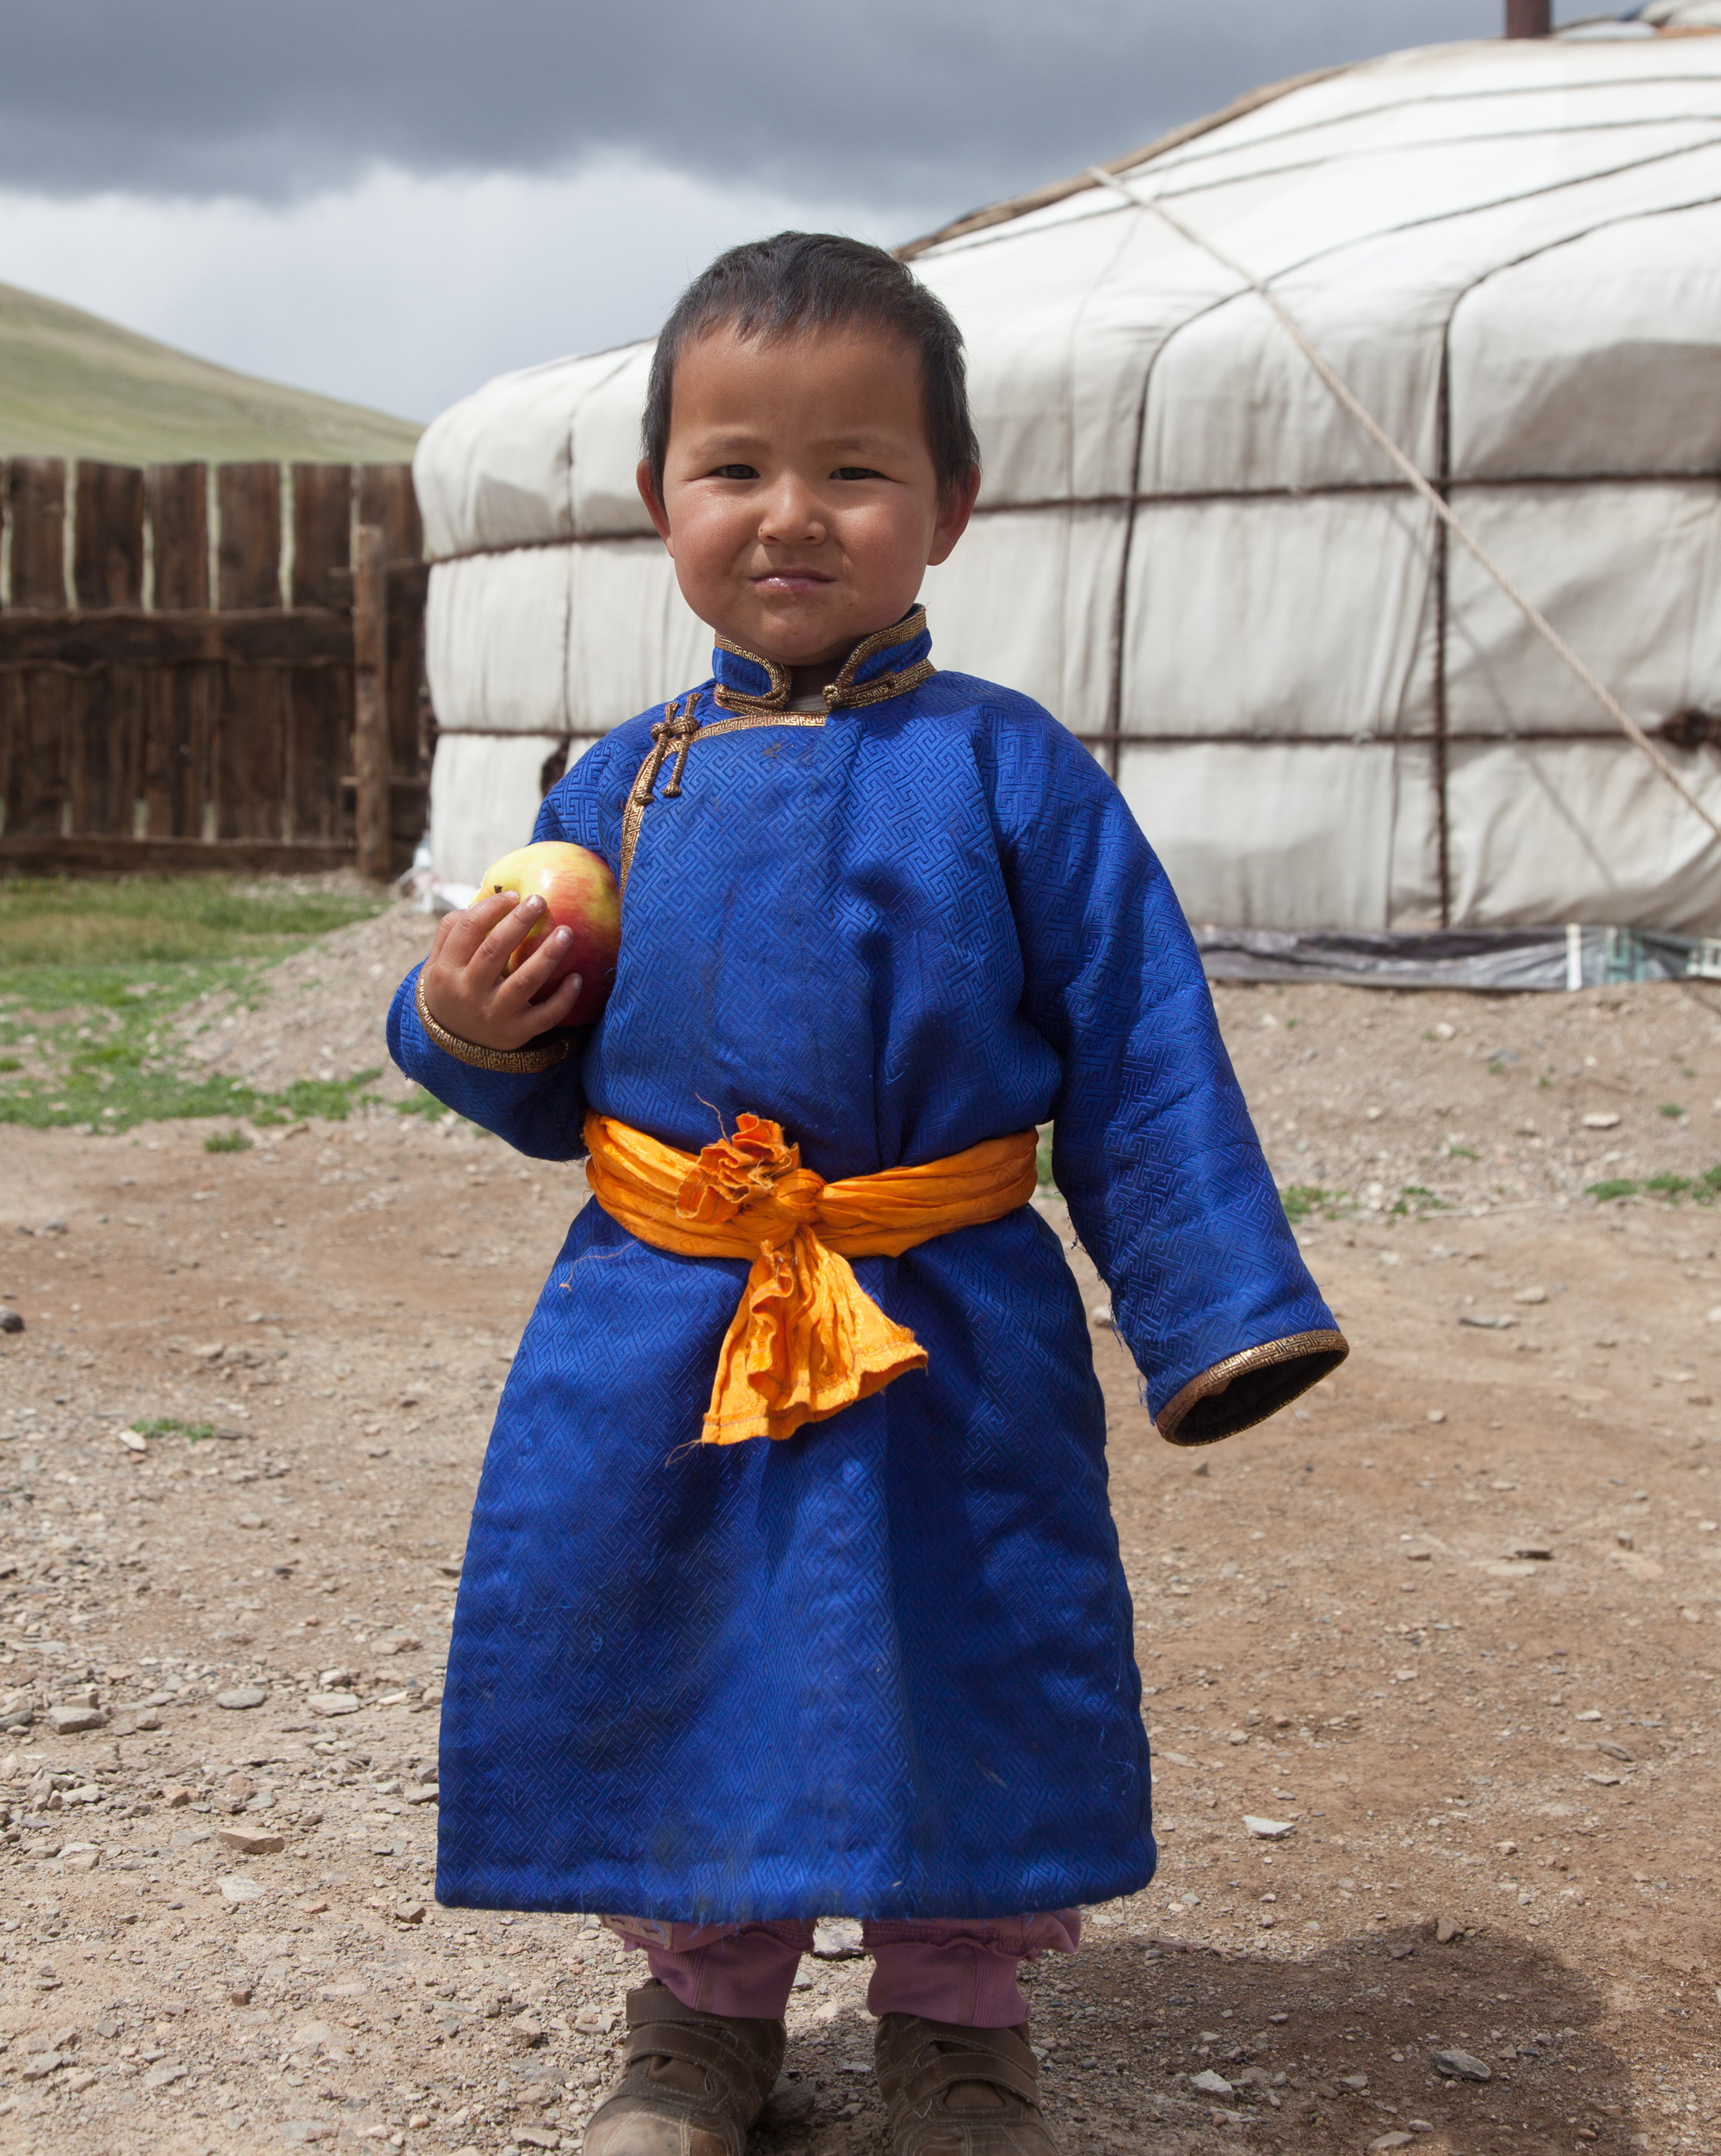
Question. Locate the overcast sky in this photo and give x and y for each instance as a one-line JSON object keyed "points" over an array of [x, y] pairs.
{"points": [[392, 201]]}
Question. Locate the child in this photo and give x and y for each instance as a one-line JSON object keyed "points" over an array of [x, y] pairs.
{"points": [[866, 1649]]}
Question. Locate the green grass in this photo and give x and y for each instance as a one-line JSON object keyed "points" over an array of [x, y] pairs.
{"points": [[74, 385], [330, 1098], [1302, 1201], [428, 1105], [92, 974], [55, 928], [228, 1142], [168, 1426], [1703, 1190]]}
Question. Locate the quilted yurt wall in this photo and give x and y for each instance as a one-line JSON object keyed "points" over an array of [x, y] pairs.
{"points": [[1324, 713]]}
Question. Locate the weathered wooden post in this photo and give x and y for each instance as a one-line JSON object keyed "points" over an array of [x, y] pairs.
{"points": [[35, 487], [386, 497], [370, 700], [248, 770], [1529, 18], [35, 758], [179, 783], [106, 722], [319, 699]]}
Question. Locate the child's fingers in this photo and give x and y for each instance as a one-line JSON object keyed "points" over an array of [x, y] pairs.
{"points": [[505, 933], [556, 1007], [461, 934], [529, 1020], [534, 973]]}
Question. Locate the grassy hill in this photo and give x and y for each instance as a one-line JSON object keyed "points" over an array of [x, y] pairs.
{"points": [[72, 385]]}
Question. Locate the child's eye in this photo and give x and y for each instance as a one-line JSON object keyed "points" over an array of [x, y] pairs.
{"points": [[854, 471], [735, 472]]}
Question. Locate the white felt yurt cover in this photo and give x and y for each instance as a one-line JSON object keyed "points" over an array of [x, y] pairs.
{"points": [[1323, 711]]}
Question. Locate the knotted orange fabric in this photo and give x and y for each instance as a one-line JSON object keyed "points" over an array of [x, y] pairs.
{"points": [[806, 1340]]}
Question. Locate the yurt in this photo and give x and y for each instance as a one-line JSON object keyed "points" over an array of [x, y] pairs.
{"points": [[1352, 489]]}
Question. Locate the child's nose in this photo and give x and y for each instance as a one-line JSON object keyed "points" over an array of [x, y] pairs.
{"points": [[792, 515]]}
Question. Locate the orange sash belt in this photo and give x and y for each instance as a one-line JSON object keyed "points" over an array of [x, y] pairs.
{"points": [[805, 1340]]}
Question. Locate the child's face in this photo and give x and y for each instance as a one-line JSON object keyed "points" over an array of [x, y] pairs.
{"points": [[799, 498]]}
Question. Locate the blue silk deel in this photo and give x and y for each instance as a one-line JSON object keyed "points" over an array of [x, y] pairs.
{"points": [[884, 1667]]}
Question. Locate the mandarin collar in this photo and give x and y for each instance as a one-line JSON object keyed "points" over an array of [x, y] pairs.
{"points": [[888, 663]]}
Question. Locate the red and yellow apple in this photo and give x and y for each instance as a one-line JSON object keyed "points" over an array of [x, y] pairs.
{"points": [[579, 895]]}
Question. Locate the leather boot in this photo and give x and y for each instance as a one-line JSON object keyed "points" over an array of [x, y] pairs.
{"points": [[956, 2092], [693, 2084]]}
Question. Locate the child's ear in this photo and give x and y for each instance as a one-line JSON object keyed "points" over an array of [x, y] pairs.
{"points": [[954, 513], [654, 500]]}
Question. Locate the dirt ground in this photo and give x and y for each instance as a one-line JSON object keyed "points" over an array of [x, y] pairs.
{"points": [[1455, 1625]]}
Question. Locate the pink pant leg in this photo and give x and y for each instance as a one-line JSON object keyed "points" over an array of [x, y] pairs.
{"points": [[960, 1971], [744, 1970]]}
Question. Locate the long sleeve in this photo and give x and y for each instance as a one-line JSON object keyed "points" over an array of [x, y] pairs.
{"points": [[540, 1113], [1153, 1146]]}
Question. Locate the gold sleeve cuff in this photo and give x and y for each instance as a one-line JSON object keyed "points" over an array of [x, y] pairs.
{"points": [[540, 1056], [1246, 1388]]}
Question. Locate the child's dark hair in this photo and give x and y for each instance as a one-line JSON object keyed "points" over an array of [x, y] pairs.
{"points": [[775, 288]]}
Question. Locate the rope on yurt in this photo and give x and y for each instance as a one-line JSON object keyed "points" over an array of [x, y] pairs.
{"points": [[1413, 478]]}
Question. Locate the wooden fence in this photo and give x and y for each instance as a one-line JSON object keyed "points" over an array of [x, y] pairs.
{"points": [[210, 669]]}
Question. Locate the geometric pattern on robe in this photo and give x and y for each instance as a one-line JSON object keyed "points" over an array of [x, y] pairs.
{"points": [[884, 1668]]}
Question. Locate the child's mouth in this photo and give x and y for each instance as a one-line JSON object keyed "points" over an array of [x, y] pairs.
{"points": [[795, 581]]}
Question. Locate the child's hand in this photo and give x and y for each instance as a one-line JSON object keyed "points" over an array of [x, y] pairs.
{"points": [[467, 987]]}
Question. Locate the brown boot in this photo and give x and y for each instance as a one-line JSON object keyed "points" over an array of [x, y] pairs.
{"points": [[955, 2092], [693, 2084]]}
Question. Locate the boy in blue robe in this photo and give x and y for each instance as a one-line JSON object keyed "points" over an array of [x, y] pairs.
{"points": [[878, 921]]}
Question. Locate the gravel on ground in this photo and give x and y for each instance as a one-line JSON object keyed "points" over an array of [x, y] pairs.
{"points": [[1433, 1660]]}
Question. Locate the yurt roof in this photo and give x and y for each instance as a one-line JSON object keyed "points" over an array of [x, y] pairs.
{"points": [[1405, 186], [1190, 550]]}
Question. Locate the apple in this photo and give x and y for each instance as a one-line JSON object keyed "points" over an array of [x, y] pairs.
{"points": [[579, 894]]}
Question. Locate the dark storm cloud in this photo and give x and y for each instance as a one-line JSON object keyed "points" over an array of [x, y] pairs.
{"points": [[954, 100]]}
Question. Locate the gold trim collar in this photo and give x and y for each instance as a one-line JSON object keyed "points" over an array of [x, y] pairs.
{"points": [[846, 692]]}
